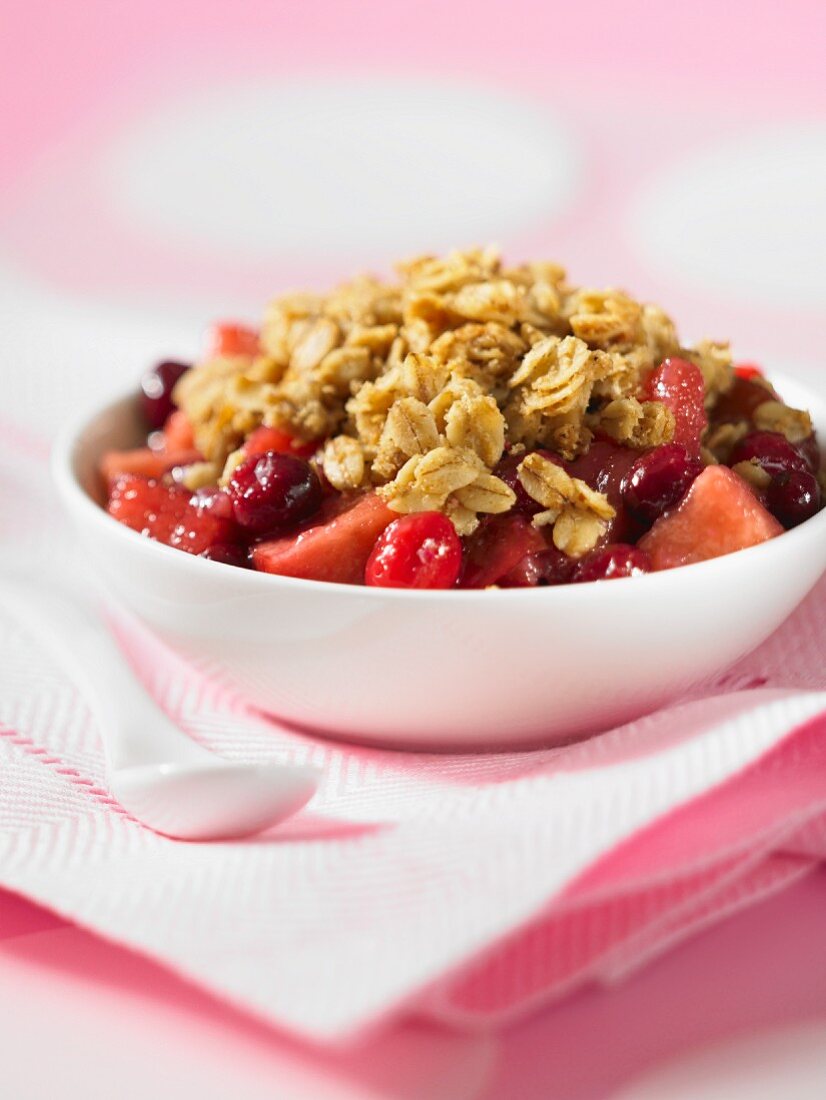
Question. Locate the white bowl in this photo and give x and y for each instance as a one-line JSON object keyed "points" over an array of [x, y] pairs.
{"points": [[443, 669]]}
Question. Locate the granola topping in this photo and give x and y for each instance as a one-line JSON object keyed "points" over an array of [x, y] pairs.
{"points": [[773, 416], [723, 438], [451, 480], [752, 472], [639, 424], [416, 388], [578, 514], [343, 463]]}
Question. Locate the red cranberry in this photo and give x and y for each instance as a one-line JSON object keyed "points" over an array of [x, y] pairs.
{"points": [[507, 469], [273, 491], [810, 450], [274, 439], [771, 450], [416, 551], [540, 568], [497, 547], [659, 479], [156, 391], [739, 402], [748, 371], [230, 338], [604, 468], [228, 553], [618, 560], [679, 384], [793, 497]]}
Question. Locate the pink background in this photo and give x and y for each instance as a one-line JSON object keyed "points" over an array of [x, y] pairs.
{"points": [[641, 93]]}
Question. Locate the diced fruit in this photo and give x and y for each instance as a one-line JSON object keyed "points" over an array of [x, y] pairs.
{"points": [[233, 339], [336, 550], [658, 480], [167, 514], [610, 562], [211, 498], [416, 551], [794, 497], [718, 515], [679, 384], [497, 547], [539, 569], [177, 432], [273, 439], [739, 403], [771, 450], [272, 491], [748, 371], [144, 462], [156, 391], [507, 469]]}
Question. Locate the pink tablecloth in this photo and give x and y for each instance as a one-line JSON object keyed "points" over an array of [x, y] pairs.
{"points": [[88, 1002]]}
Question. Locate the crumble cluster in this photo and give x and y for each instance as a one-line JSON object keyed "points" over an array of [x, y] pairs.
{"points": [[416, 387]]}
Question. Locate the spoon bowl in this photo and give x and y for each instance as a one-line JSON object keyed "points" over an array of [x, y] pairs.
{"points": [[212, 800], [157, 773]]}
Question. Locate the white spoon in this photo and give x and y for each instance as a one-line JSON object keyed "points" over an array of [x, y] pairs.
{"points": [[160, 776]]}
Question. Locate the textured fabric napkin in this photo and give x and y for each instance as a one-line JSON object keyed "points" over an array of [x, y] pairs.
{"points": [[470, 887]]}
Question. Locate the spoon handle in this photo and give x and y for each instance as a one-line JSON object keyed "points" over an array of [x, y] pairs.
{"points": [[133, 729]]}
